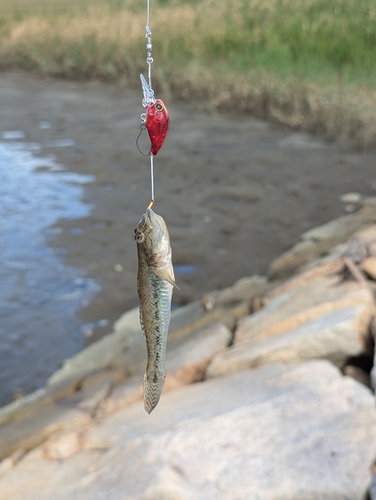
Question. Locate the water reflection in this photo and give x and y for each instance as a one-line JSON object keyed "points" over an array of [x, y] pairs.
{"points": [[38, 294]]}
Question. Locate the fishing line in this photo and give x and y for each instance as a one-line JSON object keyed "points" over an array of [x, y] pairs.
{"points": [[149, 61], [156, 119], [152, 181]]}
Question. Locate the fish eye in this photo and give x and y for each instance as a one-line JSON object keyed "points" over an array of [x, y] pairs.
{"points": [[139, 237], [159, 106]]}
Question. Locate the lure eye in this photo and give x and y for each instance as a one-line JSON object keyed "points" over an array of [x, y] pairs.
{"points": [[159, 106], [139, 237]]}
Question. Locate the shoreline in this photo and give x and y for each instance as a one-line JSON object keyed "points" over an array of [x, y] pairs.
{"points": [[235, 191]]}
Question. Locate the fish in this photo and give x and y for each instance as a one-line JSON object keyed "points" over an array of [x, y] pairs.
{"points": [[155, 283], [157, 118]]}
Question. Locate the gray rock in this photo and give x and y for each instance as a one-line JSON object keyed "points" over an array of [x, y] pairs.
{"points": [[99, 355], [319, 318], [185, 364], [333, 336], [301, 300], [298, 432], [321, 240]]}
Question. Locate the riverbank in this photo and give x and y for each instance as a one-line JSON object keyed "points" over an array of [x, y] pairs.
{"points": [[235, 192], [284, 365]]}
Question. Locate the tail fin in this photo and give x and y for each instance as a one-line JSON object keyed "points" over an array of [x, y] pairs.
{"points": [[152, 392]]}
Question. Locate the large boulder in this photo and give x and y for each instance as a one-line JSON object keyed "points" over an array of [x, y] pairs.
{"points": [[312, 316], [296, 432]]}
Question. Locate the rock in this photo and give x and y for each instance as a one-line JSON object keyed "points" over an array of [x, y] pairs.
{"points": [[92, 393], [321, 318], [11, 461], [100, 354], [362, 245], [369, 201], [85, 381], [185, 364], [358, 374], [320, 240], [63, 446], [246, 288], [198, 348], [353, 198], [304, 299], [34, 429], [298, 432], [369, 266]]}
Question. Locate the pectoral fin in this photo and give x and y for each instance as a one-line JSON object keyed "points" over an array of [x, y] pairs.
{"points": [[167, 275]]}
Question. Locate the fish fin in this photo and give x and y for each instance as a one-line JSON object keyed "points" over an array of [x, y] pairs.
{"points": [[142, 322], [167, 275], [152, 392]]}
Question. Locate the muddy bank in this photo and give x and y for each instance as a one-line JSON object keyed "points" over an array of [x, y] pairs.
{"points": [[235, 192]]}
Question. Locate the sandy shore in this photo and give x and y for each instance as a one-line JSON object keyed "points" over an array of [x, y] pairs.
{"points": [[235, 192]]}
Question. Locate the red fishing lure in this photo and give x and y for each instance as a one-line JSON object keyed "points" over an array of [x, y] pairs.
{"points": [[157, 124], [156, 119]]}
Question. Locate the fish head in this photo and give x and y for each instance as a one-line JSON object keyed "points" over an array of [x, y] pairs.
{"points": [[151, 232], [153, 242]]}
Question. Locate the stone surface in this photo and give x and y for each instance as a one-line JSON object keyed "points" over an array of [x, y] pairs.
{"points": [[320, 240], [99, 355], [289, 307], [358, 374], [351, 198], [298, 432], [244, 289], [63, 446], [331, 336], [321, 318], [185, 364], [86, 380], [369, 266], [31, 431]]}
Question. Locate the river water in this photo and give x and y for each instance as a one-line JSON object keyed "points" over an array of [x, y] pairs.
{"points": [[39, 295]]}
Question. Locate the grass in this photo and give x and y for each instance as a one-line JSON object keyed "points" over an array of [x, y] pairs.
{"points": [[307, 63]]}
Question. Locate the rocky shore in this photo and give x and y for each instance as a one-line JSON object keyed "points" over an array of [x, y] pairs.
{"points": [[268, 393]]}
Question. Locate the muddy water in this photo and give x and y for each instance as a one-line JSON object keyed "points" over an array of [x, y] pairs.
{"points": [[235, 192], [39, 295]]}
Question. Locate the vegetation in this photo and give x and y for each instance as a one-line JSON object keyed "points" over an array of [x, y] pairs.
{"points": [[307, 63]]}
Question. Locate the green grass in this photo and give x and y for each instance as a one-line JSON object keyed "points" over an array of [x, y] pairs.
{"points": [[308, 63]]}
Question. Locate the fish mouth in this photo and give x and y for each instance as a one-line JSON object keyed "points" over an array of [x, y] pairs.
{"points": [[148, 222], [150, 218]]}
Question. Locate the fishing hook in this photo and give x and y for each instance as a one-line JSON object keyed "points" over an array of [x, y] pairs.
{"points": [[142, 128]]}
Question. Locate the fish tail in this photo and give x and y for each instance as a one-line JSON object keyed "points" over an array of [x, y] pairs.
{"points": [[152, 391]]}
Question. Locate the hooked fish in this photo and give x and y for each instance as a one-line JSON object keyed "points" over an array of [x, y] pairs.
{"points": [[155, 282]]}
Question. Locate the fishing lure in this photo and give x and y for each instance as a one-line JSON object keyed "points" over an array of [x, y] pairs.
{"points": [[156, 118]]}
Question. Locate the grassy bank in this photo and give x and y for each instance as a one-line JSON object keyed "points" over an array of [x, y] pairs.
{"points": [[308, 63]]}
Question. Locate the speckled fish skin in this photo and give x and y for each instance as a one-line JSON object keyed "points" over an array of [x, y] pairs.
{"points": [[155, 282]]}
